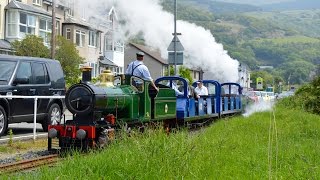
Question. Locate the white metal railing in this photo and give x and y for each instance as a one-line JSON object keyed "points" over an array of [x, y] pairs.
{"points": [[34, 108]]}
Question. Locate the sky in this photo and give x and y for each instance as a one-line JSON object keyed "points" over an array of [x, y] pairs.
{"points": [[147, 16]]}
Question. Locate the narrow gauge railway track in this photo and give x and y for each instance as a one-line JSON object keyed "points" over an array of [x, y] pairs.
{"points": [[29, 164]]}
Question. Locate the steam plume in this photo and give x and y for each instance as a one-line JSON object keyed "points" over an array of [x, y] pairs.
{"points": [[147, 16]]}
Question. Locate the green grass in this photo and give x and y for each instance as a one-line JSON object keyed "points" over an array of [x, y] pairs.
{"points": [[236, 148]]}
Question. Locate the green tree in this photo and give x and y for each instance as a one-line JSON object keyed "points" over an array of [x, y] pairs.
{"points": [[297, 72], [266, 76], [32, 46], [69, 58], [185, 73], [169, 71]]}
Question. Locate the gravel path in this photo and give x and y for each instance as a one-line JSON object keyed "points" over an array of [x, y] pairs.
{"points": [[24, 156]]}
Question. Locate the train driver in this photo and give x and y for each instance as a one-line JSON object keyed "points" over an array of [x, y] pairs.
{"points": [[137, 68], [201, 90]]}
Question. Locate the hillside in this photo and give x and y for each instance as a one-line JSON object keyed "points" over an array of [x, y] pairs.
{"points": [[292, 5], [222, 7], [254, 38]]}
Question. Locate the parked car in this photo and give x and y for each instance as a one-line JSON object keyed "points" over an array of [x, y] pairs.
{"points": [[29, 76], [254, 95]]}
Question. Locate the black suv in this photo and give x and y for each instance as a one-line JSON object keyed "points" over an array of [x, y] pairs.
{"points": [[29, 76]]}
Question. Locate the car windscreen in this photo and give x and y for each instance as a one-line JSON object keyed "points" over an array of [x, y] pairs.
{"points": [[6, 70]]}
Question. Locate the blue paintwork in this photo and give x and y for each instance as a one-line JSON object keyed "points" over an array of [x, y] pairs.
{"points": [[192, 108], [234, 98], [182, 110], [200, 107], [206, 105], [209, 106], [232, 103]]}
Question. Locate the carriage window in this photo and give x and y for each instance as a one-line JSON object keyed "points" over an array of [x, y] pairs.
{"points": [[234, 90], [137, 83], [211, 89]]}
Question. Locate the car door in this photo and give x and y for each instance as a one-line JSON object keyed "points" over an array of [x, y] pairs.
{"points": [[22, 108], [41, 84]]}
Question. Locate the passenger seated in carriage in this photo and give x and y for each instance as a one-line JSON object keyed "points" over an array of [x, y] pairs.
{"points": [[201, 90]]}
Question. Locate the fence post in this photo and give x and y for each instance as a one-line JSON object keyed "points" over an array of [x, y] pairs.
{"points": [[35, 118]]}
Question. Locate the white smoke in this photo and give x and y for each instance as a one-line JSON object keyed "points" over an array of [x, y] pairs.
{"points": [[147, 16], [259, 106]]}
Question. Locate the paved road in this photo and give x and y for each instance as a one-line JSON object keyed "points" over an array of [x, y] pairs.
{"points": [[25, 130]]}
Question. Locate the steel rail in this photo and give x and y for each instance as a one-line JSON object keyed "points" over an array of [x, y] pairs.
{"points": [[29, 164]]}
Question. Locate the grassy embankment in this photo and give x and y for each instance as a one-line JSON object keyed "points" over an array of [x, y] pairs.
{"points": [[284, 144]]}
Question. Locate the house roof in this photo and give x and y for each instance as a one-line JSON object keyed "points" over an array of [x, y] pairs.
{"points": [[71, 20], [18, 5], [151, 52], [5, 44], [107, 61]]}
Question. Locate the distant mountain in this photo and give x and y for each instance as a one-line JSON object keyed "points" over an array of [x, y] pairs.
{"points": [[253, 2], [223, 7], [294, 5]]}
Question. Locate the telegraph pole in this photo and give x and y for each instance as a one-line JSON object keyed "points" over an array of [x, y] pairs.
{"points": [[175, 49], [53, 33], [175, 38]]}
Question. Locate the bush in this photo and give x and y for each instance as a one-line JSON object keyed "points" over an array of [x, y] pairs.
{"points": [[307, 98]]}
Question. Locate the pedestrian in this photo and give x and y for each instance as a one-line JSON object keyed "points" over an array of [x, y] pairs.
{"points": [[137, 68]]}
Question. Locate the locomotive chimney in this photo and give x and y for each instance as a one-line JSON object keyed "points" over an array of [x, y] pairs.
{"points": [[86, 73]]}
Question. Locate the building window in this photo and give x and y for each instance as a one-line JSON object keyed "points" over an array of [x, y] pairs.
{"points": [[70, 5], [83, 14], [109, 42], [57, 27], [37, 2], [80, 38], [68, 30], [92, 39], [119, 46], [12, 23], [27, 24], [45, 30], [194, 75]]}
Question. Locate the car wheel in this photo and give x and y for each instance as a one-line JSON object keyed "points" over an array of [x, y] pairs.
{"points": [[53, 117], [3, 121]]}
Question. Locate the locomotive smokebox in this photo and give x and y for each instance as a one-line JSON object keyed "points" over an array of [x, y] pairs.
{"points": [[86, 73]]}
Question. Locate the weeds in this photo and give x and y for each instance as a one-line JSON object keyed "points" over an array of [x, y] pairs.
{"points": [[237, 148], [10, 142]]}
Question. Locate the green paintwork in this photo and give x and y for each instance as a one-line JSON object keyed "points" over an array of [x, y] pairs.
{"points": [[165, 104], [130, 105]]}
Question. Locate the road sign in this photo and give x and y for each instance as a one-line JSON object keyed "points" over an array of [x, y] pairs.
{"points": [[179, 46], [179, 58], [259, 83]]}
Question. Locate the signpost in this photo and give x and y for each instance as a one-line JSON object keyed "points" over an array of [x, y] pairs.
{"points": [[259, 83], [175, 58]]}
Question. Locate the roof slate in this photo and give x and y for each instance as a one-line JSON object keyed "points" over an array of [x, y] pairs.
{"points": [[18, 5], [153, 53]]}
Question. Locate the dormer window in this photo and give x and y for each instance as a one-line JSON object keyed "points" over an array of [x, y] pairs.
{"points": [[37, 2]]}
